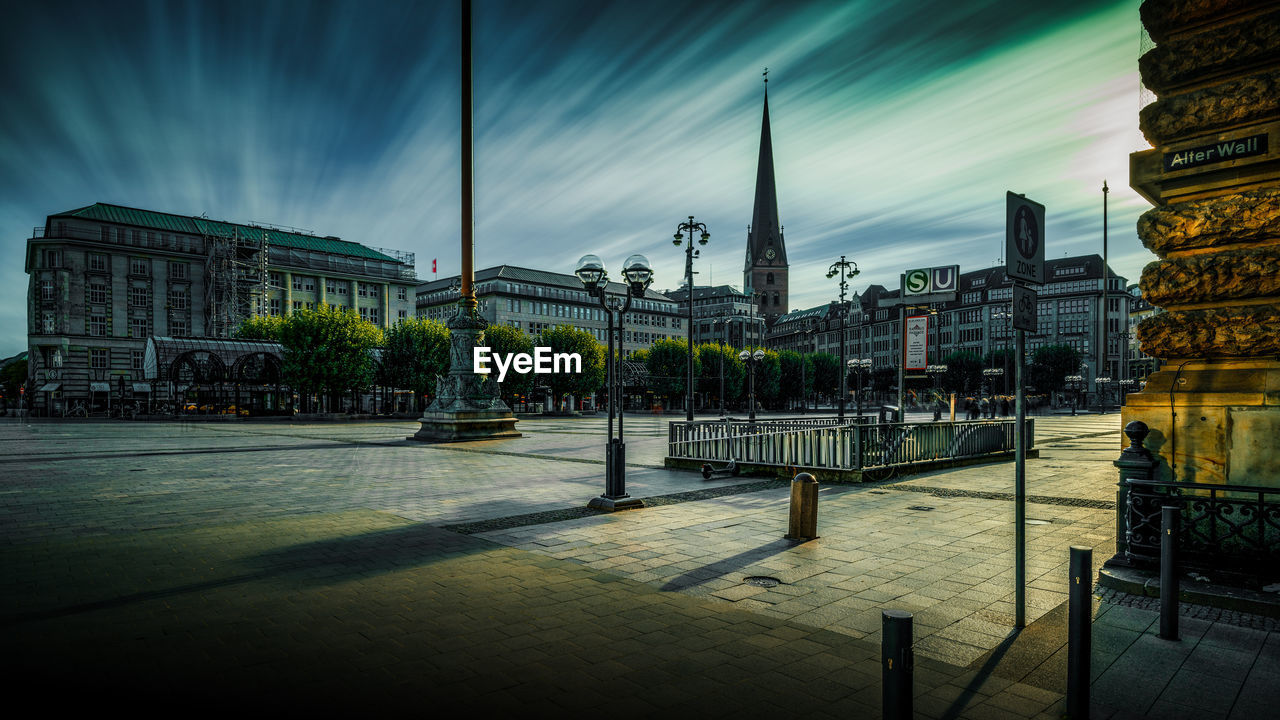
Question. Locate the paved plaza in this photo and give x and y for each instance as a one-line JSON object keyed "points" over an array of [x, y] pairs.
{"points": [[337, 564]]}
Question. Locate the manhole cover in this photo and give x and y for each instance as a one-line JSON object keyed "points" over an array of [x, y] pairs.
{"points": [[1037, 522], [922, 508], [762, 581]]}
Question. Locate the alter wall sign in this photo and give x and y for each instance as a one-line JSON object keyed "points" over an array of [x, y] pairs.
{"points": [[1216, 152]]}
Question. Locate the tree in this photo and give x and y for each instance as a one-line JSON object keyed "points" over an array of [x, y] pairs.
{"points": [[826, 374], [668, 363], [415, 353], [328, 350], [796, 376], [11, 378], [964, 372], [768, 378], [710, 356], [1050, 366], [569, 339], [260, 327], [508, 340], [1002, 358]]}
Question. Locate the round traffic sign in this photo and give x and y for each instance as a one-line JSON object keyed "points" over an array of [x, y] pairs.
{"points": [[1025, 233], [917, 281]]}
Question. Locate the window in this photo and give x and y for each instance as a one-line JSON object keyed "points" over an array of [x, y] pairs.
{"points": [[177, 271], [138, 327], [977, 282], [402, 314], [98, 358], [275, 280], [297, 305], [309, 284], [364, 290], [97, 294], [768, 279], [104, 234], [139, 267], [402, 293], [775, 299], [98, 325], [178, 299], [971, 297], [275, 307], [50, 323], [139, 297], [364, 313], [330, 286], [135, 359], [343, 286], [178, 328], [53, 258], [46, 289], [97, 262], [297, 282]]}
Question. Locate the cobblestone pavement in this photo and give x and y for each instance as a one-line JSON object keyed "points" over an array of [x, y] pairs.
{"points": [[336, 564]]}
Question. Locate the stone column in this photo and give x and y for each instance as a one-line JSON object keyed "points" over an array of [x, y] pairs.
{"points": [[1214, 178], [288, 294]]}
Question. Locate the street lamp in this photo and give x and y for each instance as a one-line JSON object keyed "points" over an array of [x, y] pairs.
{"points": [[1005, 314], [690, 227], [1076, 381], [639, 275], [857, 365], [720, 342], [845, 269], [751, 359], [936, 371], [1102, 390]]}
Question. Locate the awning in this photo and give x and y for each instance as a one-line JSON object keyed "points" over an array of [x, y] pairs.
{"points": [[49, 387], [99, 387], [141, 388]]}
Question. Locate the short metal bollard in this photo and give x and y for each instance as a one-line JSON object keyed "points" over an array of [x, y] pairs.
{"points": [[803, 521], [1079, 632], [1169, 573], [897, 664]]}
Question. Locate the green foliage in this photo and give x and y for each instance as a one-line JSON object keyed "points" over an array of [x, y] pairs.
{"points": [[415, 353], [964, 372], [506, 339], [882, 379], [260, 327], [797, 375], [768, 378], [668, 363], [826, 374], [11, 378], [709, 358], [327, 350], [569, 339], [1050, 366]]}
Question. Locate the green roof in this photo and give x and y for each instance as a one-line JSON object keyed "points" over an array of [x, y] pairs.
{"points": [[216, 228]]}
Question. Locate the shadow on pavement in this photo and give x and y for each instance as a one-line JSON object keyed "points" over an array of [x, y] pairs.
{"points": [[697, 576]]}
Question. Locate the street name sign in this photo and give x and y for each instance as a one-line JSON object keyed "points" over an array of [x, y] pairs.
{"points": [[1024, 239], [1024, 308]]}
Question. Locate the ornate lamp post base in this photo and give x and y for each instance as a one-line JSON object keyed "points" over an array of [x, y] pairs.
{"points": [[609, 504], [467, 406]]}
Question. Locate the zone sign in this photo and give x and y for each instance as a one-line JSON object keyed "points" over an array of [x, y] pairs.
{"points": [[1024, 239]]}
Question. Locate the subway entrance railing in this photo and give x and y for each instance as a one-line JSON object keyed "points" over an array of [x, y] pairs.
{"points": [[831, 444]]}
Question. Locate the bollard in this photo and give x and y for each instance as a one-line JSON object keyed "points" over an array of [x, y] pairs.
{"points": [[897, 664], [1079, 631], [1169, 573], [803, 521]]}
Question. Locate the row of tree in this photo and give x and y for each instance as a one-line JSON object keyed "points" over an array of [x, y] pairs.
{"points": [[329, 351]]}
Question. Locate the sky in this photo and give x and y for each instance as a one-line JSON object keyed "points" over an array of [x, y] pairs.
{"points": [[897, 127]]}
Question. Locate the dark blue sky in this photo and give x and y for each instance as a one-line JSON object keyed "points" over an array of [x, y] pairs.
{"points": [[897, 127]]}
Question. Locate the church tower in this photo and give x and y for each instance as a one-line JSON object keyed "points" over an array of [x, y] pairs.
{"points": [[766, 267]]}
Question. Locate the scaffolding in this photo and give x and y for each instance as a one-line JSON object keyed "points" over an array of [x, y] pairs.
{"points": [[236, 275]]}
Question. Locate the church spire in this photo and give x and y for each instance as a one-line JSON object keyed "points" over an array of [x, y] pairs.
{"points": [[766, 261]]}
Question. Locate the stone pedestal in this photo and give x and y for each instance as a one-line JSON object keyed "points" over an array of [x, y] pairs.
{"points": [[467, 406], [1214, 177]]}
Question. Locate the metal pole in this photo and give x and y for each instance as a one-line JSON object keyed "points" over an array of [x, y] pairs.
{"points": [[1020, 490], [897, 664], [1104, 360], [1079, 632], [688, 269], [902, 363], [468, 185], [1169, 573], [844, 371], [726, 330]]}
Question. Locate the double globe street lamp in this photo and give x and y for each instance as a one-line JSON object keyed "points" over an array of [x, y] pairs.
{"points": [[846, 270], [752, 360], [690, 227], [639, 275], [858, 366]]}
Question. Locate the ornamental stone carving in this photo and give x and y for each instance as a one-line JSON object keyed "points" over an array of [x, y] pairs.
{"points": [[1228, 275], [1227, 332], [1247, 217]]}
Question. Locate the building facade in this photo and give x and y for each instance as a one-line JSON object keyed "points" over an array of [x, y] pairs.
{"points": [[978, 321], [721, 314], [534, 300], [765, 272], [104, 278]]}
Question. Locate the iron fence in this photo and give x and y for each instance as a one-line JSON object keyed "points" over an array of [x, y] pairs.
{"points": [[1222, 527], [829, 443]]}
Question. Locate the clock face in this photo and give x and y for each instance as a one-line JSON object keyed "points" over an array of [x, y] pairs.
{"points": [[770, 254]]}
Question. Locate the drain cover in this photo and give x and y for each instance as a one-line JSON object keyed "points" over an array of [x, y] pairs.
{"points": [[763, 581], [1037, 522], [923, 508]]}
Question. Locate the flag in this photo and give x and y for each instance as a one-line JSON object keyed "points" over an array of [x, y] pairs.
{"points": [[433, 265]]}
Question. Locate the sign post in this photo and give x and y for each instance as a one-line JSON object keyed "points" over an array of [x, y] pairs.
{"points": [[1024, 260]]}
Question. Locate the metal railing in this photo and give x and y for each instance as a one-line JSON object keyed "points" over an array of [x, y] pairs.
{"points": [[1232, 527], [831, 444]]}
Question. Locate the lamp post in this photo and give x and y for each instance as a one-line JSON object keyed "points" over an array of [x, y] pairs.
{"points": [[1076, 381], [1126, 387], [845, 270], [720, 342], [1004, 314], [1102, 390], [690, 227], [639, 275], [936, 371], [751, 359], [858, 366]]}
